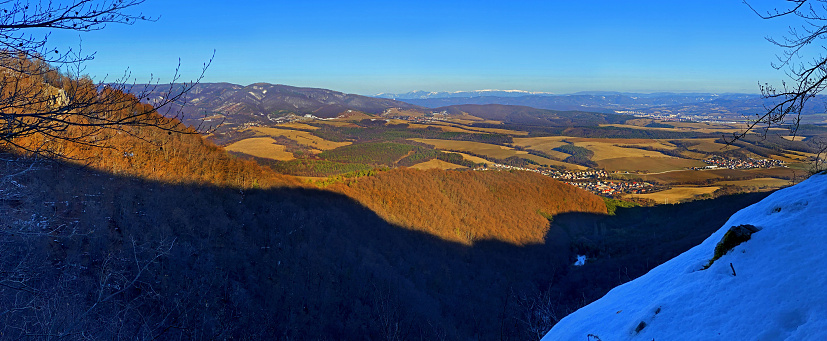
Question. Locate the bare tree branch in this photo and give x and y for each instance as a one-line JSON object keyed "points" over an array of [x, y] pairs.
{"points": [[806, 68], [42, 93]]}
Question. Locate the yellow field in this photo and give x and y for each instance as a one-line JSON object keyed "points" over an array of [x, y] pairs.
{"points": [[647, 164], [444, 127], [338, 123], [263, 147], [759, 183], [490, 150], [499, 131], [675, 194], [449, 126], [296, 125], [639, 122], [610, 150], [544, 144], [684, 126], [301, 137], [436, 164], [548, 162], [708, 145], [474, 159], [493, 151]]}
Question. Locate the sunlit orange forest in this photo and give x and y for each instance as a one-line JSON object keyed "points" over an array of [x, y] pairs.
{"points": [[460, 206], [470, 206], [149, 231]]}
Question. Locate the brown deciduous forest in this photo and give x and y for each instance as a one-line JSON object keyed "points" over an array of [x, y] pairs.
{"points": [[465, 207]]}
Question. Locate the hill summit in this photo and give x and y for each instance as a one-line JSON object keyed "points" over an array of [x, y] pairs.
{"points": [[766, 285]]}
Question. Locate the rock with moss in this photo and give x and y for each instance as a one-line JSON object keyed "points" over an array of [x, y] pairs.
{"points": [[732, 238]]}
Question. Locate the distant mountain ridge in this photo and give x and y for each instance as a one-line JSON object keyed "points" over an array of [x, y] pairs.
{"points": [[264, 102], [598, 100], [419, 94], [731, 105]]}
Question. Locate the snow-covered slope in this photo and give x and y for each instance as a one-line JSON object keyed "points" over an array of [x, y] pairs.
{"points": [[778, 290]]}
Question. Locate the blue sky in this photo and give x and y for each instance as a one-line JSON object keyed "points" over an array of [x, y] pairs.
{"points": [[367, 47]]}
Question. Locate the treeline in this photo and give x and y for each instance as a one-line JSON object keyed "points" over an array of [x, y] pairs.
{"points": [[313, 167], [579, 155], [769, 145], [423, 154], [380, 153]]}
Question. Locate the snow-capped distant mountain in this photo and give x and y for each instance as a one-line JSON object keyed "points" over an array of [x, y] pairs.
{"points": [[769, 287], [419, 94]]}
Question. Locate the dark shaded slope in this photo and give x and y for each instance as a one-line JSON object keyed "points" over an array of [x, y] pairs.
{"points": [[292, 263]]}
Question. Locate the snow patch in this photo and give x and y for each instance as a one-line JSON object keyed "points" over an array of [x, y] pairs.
{"points": [[770, 287]]}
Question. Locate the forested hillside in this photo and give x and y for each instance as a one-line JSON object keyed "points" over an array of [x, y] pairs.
{"points": [[471, 206]]}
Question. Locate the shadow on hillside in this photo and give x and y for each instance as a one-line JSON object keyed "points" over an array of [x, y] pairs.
{"points": [[311, 264]]}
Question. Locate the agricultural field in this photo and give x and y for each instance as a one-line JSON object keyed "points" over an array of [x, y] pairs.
{"points": [[545, 144], [493, 151], [474, 159], [263, 147], [609, 149], [708, 145], [297, 125], [715, 176], [757, 183], [682, 126], [301, 137], [675, 194], [486, 149]]}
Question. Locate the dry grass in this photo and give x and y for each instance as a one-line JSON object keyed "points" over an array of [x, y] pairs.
{"points": [[338, 123], [708, 145], [718, 174], [685, 126], [474, 159], [436, 164], [548, 162], [675, 194], [794, 138], [443, 126], [499, 131], [758, 183], [648, 164], [544, 144], [490, 150], [296, 125], [263, 147], [301, 137], [639, 122], [611, 150]]}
